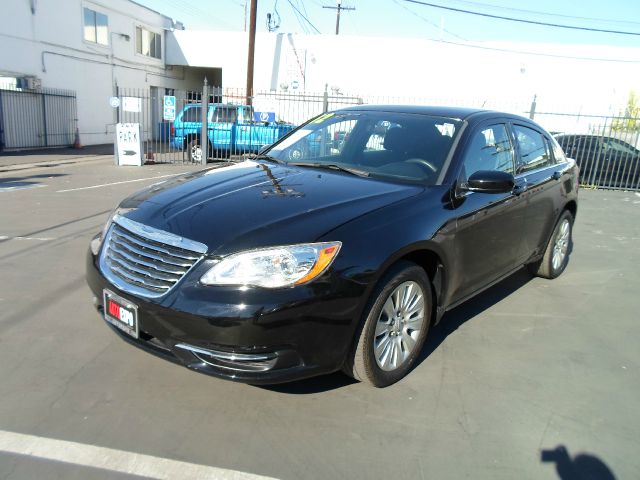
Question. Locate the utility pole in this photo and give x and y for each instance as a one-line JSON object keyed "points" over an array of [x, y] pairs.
{"points": [[252, 49], [339, 8]]}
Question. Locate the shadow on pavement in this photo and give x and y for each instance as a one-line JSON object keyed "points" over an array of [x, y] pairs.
{"points": [[449, 324], [106, 149], [25, 182], [471, 308], [583, 466]]}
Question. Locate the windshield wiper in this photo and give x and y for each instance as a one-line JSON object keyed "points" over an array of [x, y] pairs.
{"points": [[331, 166], [268, 158]]}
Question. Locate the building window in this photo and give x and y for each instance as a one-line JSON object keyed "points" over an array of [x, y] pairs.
{"points": [[148, 43], [96, 27]]}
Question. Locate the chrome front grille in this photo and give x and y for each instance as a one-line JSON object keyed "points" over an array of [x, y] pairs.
{"points": [[146, 261]]}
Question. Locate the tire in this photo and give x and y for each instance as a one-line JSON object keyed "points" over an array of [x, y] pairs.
{"points": [[556, 255], [390, 339], [194, 150]]}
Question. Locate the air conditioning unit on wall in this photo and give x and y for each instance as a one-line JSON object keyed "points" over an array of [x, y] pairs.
{"points": [[29, 83], [34, 83]]}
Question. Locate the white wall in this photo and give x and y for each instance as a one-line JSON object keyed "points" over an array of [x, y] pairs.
{"points": [[49, 45]]}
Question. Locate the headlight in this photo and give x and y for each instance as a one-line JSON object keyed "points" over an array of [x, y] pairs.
{"points": [[273, 267]]}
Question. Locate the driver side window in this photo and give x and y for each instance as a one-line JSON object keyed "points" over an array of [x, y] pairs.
{"points": [[489, 149]]}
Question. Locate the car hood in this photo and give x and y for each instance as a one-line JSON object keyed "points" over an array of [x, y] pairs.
{"points": [[253, 204]]}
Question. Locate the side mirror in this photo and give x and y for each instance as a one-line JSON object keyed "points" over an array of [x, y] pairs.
{"points": [[489, 181]]}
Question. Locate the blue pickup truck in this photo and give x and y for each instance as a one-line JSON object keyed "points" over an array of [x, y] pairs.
{"points": [[232, 130]]}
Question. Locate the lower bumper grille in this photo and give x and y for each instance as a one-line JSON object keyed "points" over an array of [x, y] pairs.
{"points": [[240, 362]]}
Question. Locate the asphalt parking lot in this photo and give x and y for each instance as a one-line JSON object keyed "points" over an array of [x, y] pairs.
{"points": [[534, 379]]}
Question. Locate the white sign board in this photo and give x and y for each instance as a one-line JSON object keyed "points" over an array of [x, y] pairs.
{"points": [[114, 102], [129, 144], [131, 104]]}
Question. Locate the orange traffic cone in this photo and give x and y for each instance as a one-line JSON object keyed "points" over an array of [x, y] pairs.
{"points": [[76, 142], [151, 156]]}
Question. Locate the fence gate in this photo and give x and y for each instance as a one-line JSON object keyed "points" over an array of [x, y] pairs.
{"points": [[36, 118]]}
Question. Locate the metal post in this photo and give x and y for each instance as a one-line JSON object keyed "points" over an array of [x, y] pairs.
{"points": [[44, 120], [325, 99], [252, 49], [204, 133], [532, 111]]}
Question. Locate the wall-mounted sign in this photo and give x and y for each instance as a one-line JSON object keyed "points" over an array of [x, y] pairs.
{"points": [[264, 117], [129, 144], [114, 102], [131, 104], [169, 109]]}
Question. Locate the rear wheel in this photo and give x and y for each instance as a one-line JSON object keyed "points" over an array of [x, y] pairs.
{"points": [[194, 150], [556, 256], [394, 327]]}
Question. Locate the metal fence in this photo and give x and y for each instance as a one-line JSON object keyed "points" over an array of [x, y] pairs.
{"points": [[36, 118], [233, 127], [604, 147]]}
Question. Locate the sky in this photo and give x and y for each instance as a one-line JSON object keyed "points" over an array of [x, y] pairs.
{"points": [[411, 18]]}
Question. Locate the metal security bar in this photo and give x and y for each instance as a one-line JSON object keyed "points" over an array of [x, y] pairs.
{"points": [[236, 126], [36, 118], [605, 148]]}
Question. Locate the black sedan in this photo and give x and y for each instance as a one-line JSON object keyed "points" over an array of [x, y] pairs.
{"points": [[603, 161], [337, 247]]}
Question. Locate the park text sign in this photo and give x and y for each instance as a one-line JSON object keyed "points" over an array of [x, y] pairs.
{"points": [[129, 145]]}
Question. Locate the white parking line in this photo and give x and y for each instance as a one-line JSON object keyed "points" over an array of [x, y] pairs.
{"points": [[114, 460], [10, 188], [39, 239], [117, 183]]}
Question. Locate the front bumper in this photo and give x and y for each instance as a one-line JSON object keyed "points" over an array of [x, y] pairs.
{"points": [[255, 336]]}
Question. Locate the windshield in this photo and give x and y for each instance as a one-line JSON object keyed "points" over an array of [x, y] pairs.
{"points": [[409, 147]]}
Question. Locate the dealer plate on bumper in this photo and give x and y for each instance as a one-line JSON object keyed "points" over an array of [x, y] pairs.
{"points": [[121, 313]]}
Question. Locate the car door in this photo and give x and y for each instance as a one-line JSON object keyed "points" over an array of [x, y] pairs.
{"points": [[488, 238], [223, 126], [541, 179]]}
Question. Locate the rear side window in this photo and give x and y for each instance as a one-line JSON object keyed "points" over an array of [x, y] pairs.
{"points": [[225, 115], [490, 149], [558, 153], [192, 114], [534, 153]]}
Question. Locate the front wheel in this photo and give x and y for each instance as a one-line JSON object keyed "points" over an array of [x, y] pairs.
{"points": [[556, 256], [394, 327]]}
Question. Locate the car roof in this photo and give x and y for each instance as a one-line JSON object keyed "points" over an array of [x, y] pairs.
{"points": [[459, 113]]}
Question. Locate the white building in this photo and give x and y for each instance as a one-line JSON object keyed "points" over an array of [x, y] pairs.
{"points": [[94, 48]]}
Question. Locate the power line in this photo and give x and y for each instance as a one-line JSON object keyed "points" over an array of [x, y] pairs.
{"points": [[536, 54], [434, 24], [522, 20], [305, 18], [536, 12]]}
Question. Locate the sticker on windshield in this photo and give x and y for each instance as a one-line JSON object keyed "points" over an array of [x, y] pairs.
{"points": [[322, 118]]}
